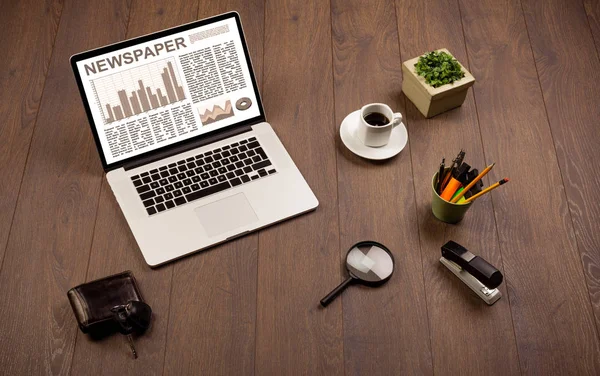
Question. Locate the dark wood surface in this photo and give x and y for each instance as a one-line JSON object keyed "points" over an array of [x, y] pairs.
{"points": [[251, 306]]}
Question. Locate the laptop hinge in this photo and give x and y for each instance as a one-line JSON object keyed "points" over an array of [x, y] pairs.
{"points": [[158, 155]]}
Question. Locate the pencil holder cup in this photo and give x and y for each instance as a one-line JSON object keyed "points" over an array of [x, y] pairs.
{"points": [[446, 211]]}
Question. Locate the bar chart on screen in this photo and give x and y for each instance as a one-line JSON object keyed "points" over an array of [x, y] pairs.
{"points": [[138, 90]]}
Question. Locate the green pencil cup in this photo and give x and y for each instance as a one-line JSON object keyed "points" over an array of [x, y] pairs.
{"points": [[446, 211]]}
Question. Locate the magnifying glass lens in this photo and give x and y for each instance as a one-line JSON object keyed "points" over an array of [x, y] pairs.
{"points": [[369, 263]]}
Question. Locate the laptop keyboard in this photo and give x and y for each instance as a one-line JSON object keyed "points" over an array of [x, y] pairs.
{"points": [[196, 177]]}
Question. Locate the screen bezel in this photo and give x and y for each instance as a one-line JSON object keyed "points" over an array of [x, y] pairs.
{"points": [[146, 38]]}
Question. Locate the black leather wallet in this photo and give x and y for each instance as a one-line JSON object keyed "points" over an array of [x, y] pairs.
{"points": [[92, 302]]}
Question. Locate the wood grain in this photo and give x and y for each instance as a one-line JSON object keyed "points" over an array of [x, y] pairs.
{"points": [[114, 248], [252, 305], [48, 249], [553, 320], [455, 312], [213, 304], [299, 259], [376, 201], [571, 96], [27, 38]]}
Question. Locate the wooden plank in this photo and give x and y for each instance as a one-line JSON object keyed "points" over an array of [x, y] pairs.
{"points": [[592, 9], [299, 259], [553, 319], [213, 303], [48, 249], [114, 248], [377, 201], [571, 98], [27, 38], [455, 313]]}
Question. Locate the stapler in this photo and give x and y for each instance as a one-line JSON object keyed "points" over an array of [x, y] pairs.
{"points": [[482, 277]]}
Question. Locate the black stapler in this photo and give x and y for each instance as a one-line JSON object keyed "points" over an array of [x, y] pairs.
{"points": [[482, 277]]}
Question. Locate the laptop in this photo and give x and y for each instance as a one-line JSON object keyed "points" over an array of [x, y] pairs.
{"points": [[182, 135]]}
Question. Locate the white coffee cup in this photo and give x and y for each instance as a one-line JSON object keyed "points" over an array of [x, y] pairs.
{"points": [[377, 135]]}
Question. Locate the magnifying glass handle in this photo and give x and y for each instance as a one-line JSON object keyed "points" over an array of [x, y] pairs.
{"points": [[332, 295]]}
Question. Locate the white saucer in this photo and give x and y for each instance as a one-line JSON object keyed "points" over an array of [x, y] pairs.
{"points": [[397, 142]]}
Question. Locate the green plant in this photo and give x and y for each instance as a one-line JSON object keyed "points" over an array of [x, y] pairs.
{"points": [[439, 68]]}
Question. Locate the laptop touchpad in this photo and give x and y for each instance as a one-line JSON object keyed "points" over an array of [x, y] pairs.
{"points": [[226, 214]]}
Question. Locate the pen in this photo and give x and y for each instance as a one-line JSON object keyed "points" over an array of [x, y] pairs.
{"points": [[491, 187], [472, 183], [438, 184], [455, 164], [460, 157]]}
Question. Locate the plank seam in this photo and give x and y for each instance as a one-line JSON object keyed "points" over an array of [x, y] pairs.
{"points": [[562, 180], [416, 211], [337, 180], [30, 140], [587, 18], [168, 319], [491, 197], [415, 206], [262, 81], [87, 268]]}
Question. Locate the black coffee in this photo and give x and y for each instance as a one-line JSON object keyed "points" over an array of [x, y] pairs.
{"points": [[376, 119]]}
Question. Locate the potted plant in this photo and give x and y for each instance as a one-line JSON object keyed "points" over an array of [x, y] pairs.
{"points": [[435, 82]]}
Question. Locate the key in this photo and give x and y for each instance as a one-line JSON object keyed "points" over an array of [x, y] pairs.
{"points": [[132, 346], [132, 317], [262, 164]]}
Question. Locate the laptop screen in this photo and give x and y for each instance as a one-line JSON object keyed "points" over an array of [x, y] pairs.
{"points": [[165, 88]]}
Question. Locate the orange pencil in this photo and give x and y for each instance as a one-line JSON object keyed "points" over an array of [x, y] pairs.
{"points": [[493, 186], [471, 184]]}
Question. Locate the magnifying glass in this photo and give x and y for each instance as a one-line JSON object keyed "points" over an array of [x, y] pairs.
{"points": [[369, 263]]}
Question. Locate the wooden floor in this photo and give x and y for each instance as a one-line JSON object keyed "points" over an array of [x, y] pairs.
{"points": [[251, 306]]}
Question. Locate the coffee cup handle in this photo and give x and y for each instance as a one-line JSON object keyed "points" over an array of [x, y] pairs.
{"points": [[397, 119]]}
